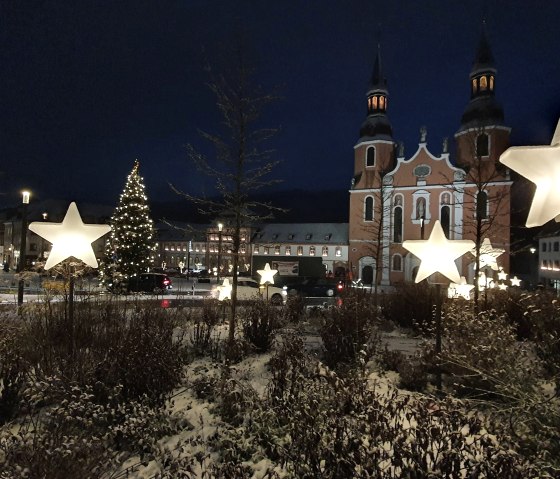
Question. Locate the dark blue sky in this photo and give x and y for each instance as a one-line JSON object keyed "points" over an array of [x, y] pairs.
{"points": [[88, 86]]}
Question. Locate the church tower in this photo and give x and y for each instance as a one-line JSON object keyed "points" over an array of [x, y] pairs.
{"points": [[480, 140], [373, 157]]}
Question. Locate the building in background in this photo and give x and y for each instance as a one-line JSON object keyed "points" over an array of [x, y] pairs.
{"points": [[394, 198]]}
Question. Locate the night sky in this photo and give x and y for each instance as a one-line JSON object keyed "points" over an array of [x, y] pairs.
{"points": [[88, 86]]}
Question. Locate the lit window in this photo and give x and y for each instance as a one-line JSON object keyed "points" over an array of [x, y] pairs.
{"points": [[325, 251], [381, 102], [288, 250], [243, 248], [257, 249], [474, 85], [277, 249], [338, 251], [483, 84], [492, 83], [299, 250], [312, 251], [267, 250], [375, 103]]}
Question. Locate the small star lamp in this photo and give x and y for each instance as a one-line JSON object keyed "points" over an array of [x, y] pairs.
{"points": [[515, 281], [267, 274], [541, 165], [437, 254], [70, 238], [502, 275], [488, 255], [224, 290]]}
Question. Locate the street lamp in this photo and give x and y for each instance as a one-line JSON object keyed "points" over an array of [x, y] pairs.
{"points": [[23, 244], [189, 249], [220, 227]]}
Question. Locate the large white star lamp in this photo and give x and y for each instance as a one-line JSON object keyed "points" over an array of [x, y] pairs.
{"points": [[438, 254], [70, 238], [267, 274], [541, 165], [488, 255]]}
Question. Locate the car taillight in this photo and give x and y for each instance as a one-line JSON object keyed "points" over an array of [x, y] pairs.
{"points": [[340, 286], [166, 282]]}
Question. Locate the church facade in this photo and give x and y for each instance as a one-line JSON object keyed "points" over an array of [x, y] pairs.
{"points": [[394, 198]]}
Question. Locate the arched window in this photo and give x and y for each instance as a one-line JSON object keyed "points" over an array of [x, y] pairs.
{"points": [[368, 209], [445, 215], [312, 251], [375, 103], [397, 262], [491, 82], [474, 85], [325, 251], [370, 156], [397, 224], [483, 84], [420, 208], [482, 145], [482, 205], [381, 102]]}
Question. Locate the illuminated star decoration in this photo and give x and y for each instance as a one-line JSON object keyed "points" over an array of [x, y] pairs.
{"points": [[515, 281], [541, 165], [70, 238], [224, 290], [461, 289], [485, 282], [438, 254], [502, 275], [502, 286], [267, 274], [488, 254]]}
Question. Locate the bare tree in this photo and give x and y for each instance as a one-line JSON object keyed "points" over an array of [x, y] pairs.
{"points": [[241, 165], [486, 194]]}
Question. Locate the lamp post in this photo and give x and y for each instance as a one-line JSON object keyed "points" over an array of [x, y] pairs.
{"points": [[220, 227], [23, 244], [189, 248]]}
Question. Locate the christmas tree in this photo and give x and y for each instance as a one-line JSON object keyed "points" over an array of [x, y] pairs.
{"points": [[131, 246]]}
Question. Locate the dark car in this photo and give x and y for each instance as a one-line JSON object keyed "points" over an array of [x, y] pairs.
{"points": [[316, 288], [156, 283]]}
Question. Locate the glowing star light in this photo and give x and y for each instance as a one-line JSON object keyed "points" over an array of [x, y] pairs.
{"points": [[224, 290], [541, 165], [70, 238], [461, 289], [488, 254], [502, 275], [267, 274], [515, 281], [438, 254]]}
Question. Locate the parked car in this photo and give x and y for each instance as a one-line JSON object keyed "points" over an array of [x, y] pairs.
{"points": [[156, 283], [248, 288], [203, 276], [316, 288]]}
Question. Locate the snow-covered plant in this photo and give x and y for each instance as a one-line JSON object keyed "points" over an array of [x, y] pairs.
{"points": [[260, 320], [349, 329], [410, 306], [201, 334]]}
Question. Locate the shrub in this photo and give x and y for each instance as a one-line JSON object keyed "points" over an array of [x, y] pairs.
{"points": [[410, 305], [294, 309], [260, 321], [349, 329], [201, 335]]}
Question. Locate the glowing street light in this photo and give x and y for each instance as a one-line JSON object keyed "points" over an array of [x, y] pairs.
{"points": [[224, 290]]}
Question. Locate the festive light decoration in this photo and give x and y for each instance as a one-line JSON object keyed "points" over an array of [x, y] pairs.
{"points": [[502, 286], [502, 275], [488, 254], [224, 290], [438, 254], [515, 281], [541, 165], [71, 238], [461, 289], [267, 274], [485, 282], [131, 247]]}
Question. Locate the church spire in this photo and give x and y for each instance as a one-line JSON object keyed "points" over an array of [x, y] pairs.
{"points": [[377, 125], [483, 109]]}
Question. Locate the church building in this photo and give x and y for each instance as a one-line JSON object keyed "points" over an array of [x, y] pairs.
{"points": [[394, 198]]}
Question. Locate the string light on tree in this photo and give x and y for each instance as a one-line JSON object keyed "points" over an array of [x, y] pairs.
{"points": [[131, 247]]}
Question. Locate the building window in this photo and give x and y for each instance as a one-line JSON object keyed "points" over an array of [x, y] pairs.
{"points": [[277, 249], [543, 247], [308, 236], [397, 262], [370, 156], [299, 250], [312, 251], [482, 145], [291, 236], [491, 87], [338, 251], [288, 251], [482, 205], [445, 218], [382, 103], [368, 209], [257, 249], [397, 224], [556, 264], [325, 251], [267, 250], [474, 85], [556, 246], [483, 84], [242, 248]]}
